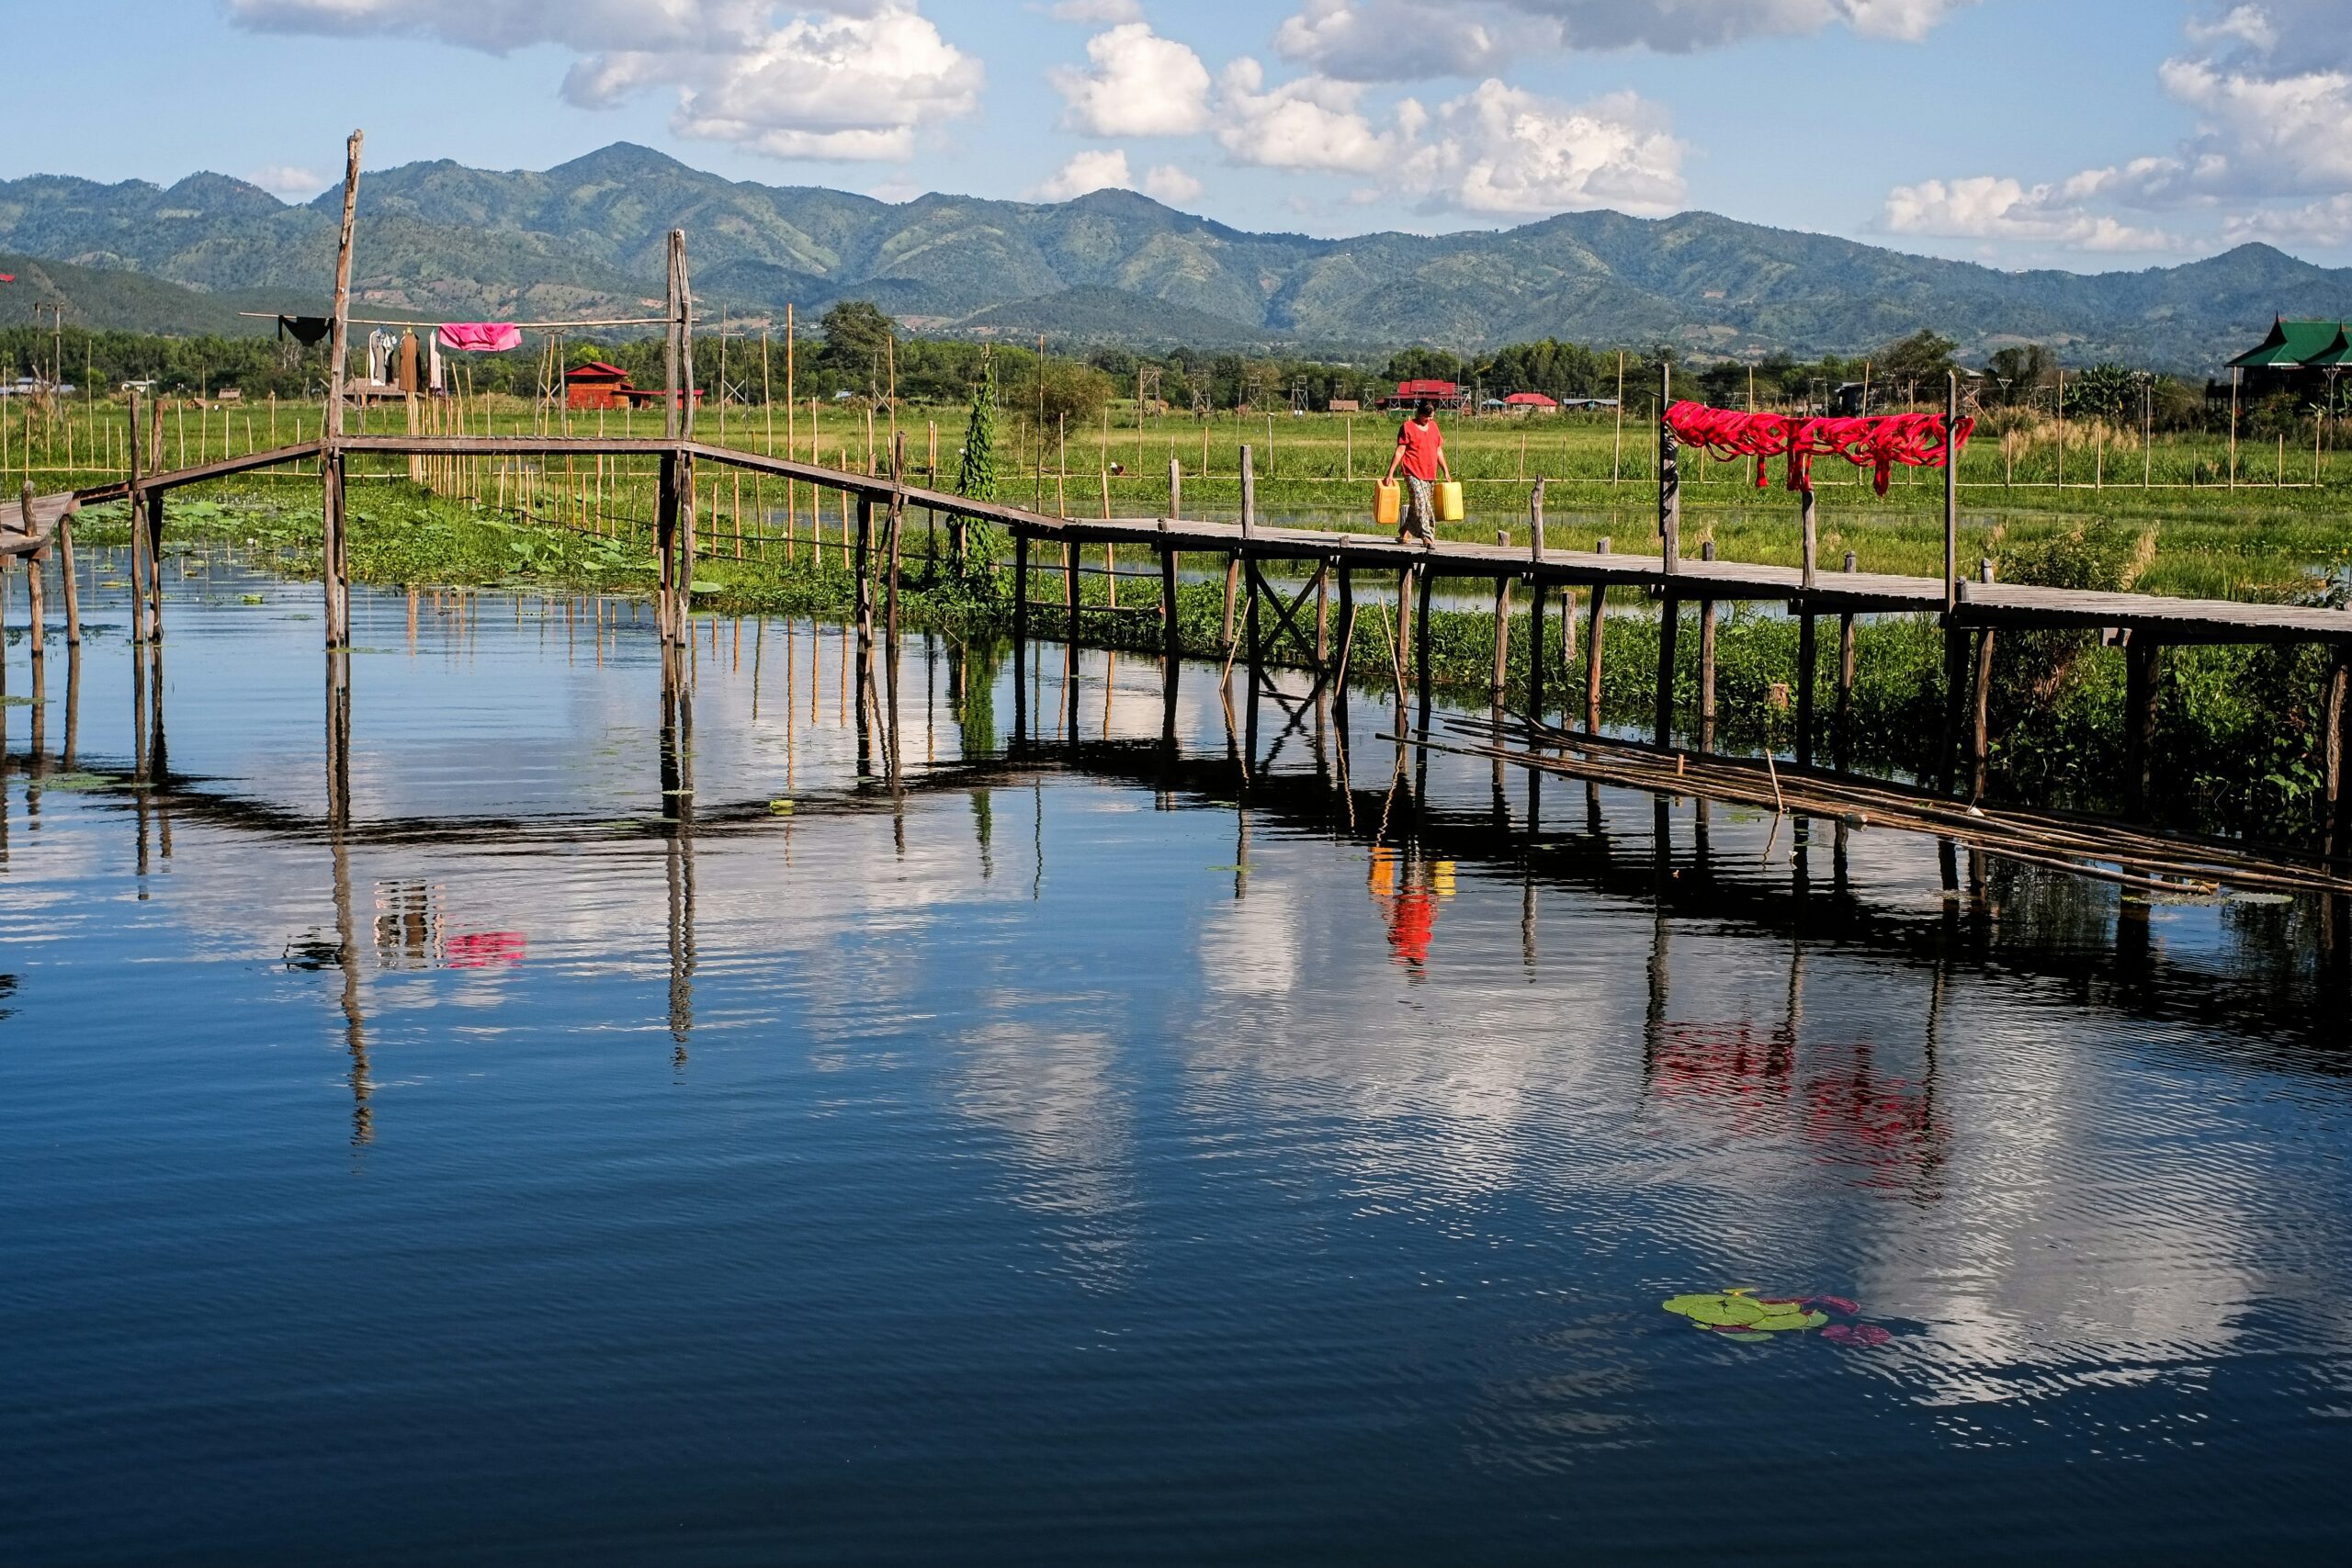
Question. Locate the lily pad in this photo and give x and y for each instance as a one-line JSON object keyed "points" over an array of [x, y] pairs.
{"points": [[1741, 1314]]}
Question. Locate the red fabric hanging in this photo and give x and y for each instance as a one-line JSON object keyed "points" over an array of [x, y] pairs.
{"points": [[1878, 443]]}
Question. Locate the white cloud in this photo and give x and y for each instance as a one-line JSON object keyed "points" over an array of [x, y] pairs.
{"points": [[848, 79], [289, 181], [1374, 40], [1313, 122], [1496, 149], [1141, 85], [1098, 168], [1992, 207], [2270, 84], [1502, 150], [1166, 182], [1096, 11]]}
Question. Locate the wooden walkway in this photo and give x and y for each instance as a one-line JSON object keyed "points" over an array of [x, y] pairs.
{"points": [[1257, 613]]}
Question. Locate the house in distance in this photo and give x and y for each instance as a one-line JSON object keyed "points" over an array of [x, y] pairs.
{"points": [[597, 384]]}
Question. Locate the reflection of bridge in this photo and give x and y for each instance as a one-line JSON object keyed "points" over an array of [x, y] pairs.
{"points": [[1286, 764]]}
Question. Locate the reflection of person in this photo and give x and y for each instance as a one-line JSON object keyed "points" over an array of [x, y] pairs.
{"points": [[1420, 452], [1408, 905]]}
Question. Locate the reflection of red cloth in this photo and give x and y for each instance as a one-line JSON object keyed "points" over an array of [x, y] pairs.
{"points": [[479, 950], [1412, 923]]}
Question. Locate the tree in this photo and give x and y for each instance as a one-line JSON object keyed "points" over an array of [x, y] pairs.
{"points": [[1075, 393], [976, 472], [2104, 392], [858, 337], [2012, 374], [1924, 356]]}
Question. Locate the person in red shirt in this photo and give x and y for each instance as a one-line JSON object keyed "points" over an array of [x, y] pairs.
{"points": [[1420, 452]]}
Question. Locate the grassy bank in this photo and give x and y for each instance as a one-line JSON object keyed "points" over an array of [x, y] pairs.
{"points": [[2239, 746]]}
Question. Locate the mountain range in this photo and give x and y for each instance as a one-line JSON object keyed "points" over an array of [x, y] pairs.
{"points": [[587, 238]]}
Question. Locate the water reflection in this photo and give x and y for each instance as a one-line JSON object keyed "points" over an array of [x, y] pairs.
{"points": [[1131, 1088]]}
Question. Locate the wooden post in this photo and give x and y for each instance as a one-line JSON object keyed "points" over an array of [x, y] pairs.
{"points": [[1175, 490], [1502, 628], [1707, 660], [36, 605], [1322, 615], [1810, 544], [1669, 490], [1980, 708], [1595, 624], [683, 582], [896, 526], [1069, 597], [1169, 633], [1347, 628], [1253, 585], [1951, 492], [864, 566], [665, 553], [333, 520], [1955, 679], [1232, 589], [1808, 676], [1538, 591], [2141, 708], [72, 586], [1422, 640], [134, 465], [156, 566], [1249, 494], [1019, 587], [2338, 713], [1845, 738]]}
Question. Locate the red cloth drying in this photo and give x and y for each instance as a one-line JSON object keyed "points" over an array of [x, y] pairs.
{"points": [[1878, 443], [481, 337]]}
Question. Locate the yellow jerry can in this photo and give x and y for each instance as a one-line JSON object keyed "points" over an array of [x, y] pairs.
{"points": [[1387, 502], [1449, 500]]}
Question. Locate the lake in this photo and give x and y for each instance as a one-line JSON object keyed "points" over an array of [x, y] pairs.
{"points": [[1051, 1125]]}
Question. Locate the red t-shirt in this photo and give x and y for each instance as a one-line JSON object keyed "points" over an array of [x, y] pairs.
{"points": [[1420, 444]]}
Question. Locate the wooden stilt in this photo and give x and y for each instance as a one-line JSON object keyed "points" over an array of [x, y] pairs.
{"points": [[334, 515], [665, 554], [2339, 720], [1537, 592], [1808, 676], [1421, 642], [36, 601], [862, 564], [1019, 587], [1707, 660], [1981, 710], [1254, 586], [155, 569], [1845, 736], [1323, 617], [71, 582], [683, 581], [1232, 589], [1502, 628], [2144, 686], [1347, 627], [1955, 696], [1596, 624], [1070, 593], [1171, 642]]}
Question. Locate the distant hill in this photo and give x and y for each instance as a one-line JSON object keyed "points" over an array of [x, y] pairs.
{"points": [[129, 301], [587, 238]]}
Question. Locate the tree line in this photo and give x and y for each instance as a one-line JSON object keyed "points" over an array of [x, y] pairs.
{"points": [[858, 353]]}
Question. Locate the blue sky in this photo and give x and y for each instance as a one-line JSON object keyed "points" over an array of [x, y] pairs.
{"points": [[2088, 134]]}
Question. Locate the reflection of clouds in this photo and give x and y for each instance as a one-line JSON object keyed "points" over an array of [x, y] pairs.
{"points": [[1249, 947], [1069, 1138]]}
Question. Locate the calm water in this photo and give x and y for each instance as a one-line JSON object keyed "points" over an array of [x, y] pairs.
{"points": [[1091, 1153]]}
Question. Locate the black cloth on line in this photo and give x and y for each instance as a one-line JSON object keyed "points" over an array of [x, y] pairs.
{"points": [[308, 331]]}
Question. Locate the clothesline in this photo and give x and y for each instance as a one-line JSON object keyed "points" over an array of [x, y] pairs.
{"points": [[520, 326]]}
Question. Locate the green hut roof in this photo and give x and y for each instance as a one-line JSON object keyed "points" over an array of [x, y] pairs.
{"points": [[2296, 343]]}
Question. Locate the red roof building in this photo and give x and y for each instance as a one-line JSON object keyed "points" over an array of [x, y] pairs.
{"points": [[1445, 394], [1531, 402], [596, 386]]}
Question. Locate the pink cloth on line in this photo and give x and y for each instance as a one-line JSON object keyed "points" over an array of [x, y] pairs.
{"points": [[481, 337]]}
